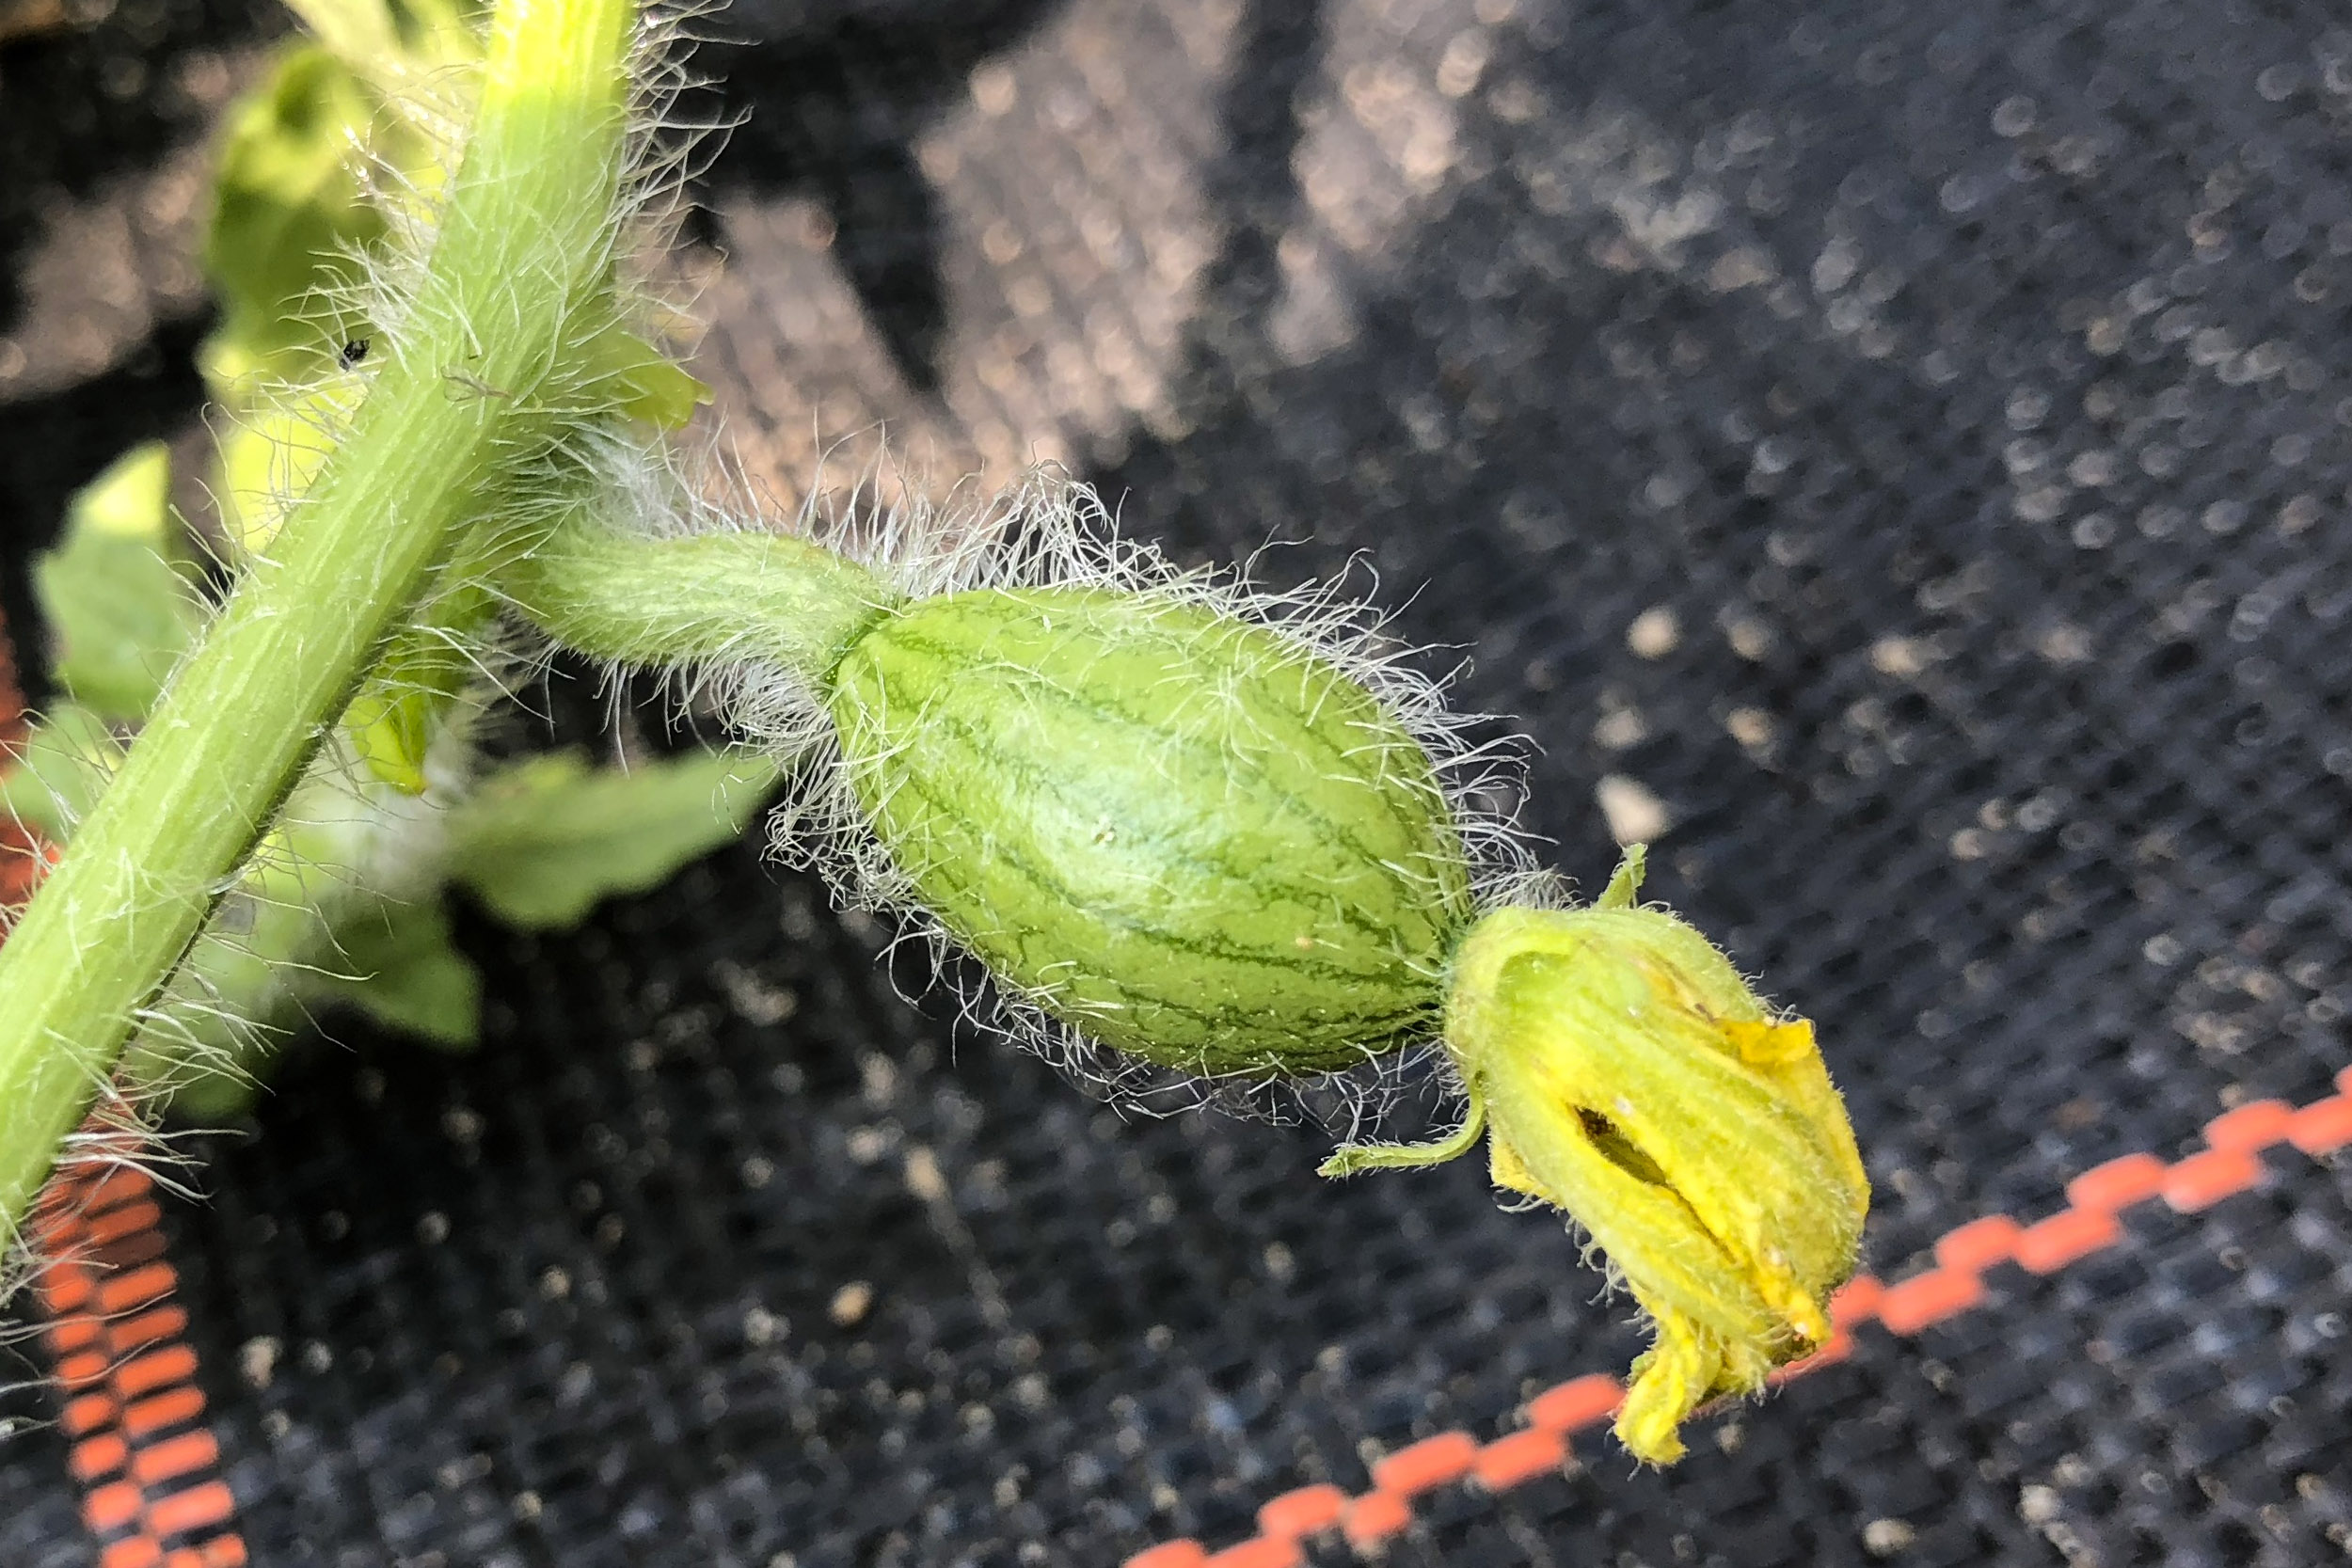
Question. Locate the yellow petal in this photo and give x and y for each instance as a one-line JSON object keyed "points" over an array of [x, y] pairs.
{"points": [[1672, 1379], [1632, 1078]]}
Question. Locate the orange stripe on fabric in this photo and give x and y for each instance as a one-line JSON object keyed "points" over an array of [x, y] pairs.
{"points": [[2117, 1184], [141, 1287], [88, 1414], [1856, 1301], [2324, 1128], [120, 1184], [96, 1458], [1980, 1244], [109, 1508], [1306, 1511], [2204, 1180], [198, 1506], [1261, 1552], [1522, 1456], [1577, 1403], [2250, 1127], [1917, 1303], [63, 1287], [119, 1224], [1374, 1517], [148, 1328], [1432, 1462], [2066, 1237], [2230, 1163], [107, 1223], [71, 1335], [161, 1369], [148, 1416], [140, 1246], [1174, 1554], [175, 1457]]}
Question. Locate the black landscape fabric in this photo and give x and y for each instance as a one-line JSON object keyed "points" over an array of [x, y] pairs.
{"points": [[1898, 452]]}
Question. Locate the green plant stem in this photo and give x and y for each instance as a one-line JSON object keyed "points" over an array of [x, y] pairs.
{"points": [[676, 601], [522, 260]]}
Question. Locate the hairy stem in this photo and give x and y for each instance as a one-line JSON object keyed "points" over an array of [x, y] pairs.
{"points": [[674, 601], [522, 258]]}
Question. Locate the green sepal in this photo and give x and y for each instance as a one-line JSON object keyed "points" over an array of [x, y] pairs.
{"points": [[543, 842], [56, 773], [394, 962], [119, 609], [1348, 1159], [1625, 884], [399, 965]]}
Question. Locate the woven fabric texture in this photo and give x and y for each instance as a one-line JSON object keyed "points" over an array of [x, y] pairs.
{"points": [[1894, 455]]}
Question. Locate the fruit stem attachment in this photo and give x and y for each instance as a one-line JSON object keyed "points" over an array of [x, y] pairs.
{"points": [[523, 257]]}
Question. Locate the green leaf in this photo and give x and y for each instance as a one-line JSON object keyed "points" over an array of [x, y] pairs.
{"points": [[398, 712], [541, 842], [56, 773], [388, 42], [645, 383], [289, 212], [402, 969], [119, 609], [208, 1099], [266, 462], [408, 695]]}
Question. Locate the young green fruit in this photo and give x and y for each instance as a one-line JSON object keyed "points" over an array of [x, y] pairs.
{"points": [[1229, 849], [1173, 828]]}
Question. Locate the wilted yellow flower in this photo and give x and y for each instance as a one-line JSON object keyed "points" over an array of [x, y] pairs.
{"points": [[1632, 1078]]}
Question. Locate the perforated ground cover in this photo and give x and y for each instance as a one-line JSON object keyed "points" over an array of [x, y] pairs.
{"points": [[1899, 453]]}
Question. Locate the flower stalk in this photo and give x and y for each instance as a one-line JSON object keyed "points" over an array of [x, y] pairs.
{"points": [[693, 599]]}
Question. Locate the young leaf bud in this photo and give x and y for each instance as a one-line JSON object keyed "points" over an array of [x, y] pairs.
{"points": [[1173, 828]]}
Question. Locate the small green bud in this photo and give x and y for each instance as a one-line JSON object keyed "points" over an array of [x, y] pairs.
{"points": [[1170, 826]]}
